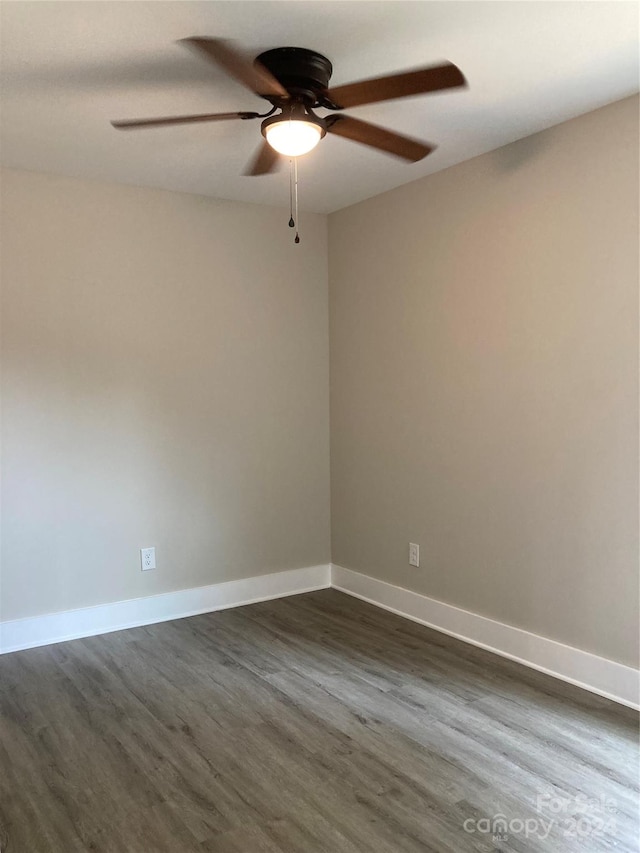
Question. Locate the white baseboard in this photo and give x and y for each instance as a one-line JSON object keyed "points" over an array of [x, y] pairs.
{"points": [[591, 672], [104, 618]]}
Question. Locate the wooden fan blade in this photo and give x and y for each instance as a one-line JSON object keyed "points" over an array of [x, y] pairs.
{"points": [[266, 160], [253, 75], [445, 76], [378, 137], [132, 124]]}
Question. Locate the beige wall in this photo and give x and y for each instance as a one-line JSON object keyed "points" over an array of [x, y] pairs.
{"points": [[484, 383], [165, 382]]}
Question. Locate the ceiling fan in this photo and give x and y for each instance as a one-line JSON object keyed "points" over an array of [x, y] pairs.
{"points": [[295, 82]]}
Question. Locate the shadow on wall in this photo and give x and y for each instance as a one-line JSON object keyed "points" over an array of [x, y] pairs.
{"points": [[513, 156]]}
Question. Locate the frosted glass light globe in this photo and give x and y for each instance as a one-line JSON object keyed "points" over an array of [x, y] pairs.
{"points": [[293, 138]]}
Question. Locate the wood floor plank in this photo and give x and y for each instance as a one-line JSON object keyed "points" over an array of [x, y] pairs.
{"points": [[303, 725]]}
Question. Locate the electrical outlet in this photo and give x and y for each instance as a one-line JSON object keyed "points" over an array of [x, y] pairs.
{"points": [[414, 554], [147, 558]]}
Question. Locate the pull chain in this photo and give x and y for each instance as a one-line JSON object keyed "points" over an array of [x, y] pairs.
{"points": [[295, 168], [291, 220], [293, 196]]}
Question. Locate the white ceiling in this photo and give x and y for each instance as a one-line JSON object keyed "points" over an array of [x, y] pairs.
{"points": [[70, 67]]}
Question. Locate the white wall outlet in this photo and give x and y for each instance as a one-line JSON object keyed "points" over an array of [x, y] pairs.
{"points": [[147, 558], [414, 554]]}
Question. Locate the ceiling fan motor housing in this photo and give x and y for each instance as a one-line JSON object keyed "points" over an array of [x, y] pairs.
{"points": [[304, 73]]}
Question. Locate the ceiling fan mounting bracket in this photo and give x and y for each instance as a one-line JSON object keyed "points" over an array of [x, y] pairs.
{"points": [[296, 111], [304, 73]]}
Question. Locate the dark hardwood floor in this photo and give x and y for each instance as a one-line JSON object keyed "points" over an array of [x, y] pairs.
{"points": [[313, 723]]}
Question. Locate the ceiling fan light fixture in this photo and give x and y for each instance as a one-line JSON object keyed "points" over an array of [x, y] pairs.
{"points": [[295, 80], [295, 133], [293, 138]]}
